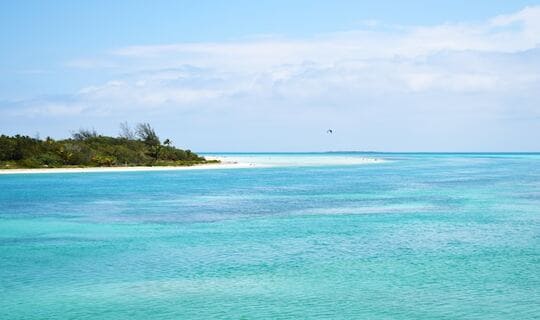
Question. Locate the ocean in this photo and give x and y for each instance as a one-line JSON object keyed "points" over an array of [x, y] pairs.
{"points": [[309, 236]]}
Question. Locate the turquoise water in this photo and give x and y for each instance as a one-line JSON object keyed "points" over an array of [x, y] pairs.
{"points": [[421, 236]]}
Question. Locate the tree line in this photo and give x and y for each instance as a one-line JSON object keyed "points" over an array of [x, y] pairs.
{"points": [[138, 146]]}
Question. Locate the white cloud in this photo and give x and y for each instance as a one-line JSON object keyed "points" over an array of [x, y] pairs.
{"points": [[507, 33], [395, 59]]}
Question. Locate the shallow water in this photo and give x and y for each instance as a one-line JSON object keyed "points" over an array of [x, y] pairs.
{"points": [[420, 236]]}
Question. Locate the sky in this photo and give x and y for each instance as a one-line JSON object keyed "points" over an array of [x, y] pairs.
{"points": [[215, 76]]}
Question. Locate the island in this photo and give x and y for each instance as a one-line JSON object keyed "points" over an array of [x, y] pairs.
{"points": [[137, 147]]}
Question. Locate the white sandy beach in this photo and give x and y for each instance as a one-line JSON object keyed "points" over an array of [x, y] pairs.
{"points": [[273, 160], [222, 165], [227, 162]]}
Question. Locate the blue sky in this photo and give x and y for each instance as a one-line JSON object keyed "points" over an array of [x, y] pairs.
{"points": [[274, 75]]}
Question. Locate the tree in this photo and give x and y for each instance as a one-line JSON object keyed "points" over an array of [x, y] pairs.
{"points": [[84, 134], [126, 132], [147, 134], [150, 138]]}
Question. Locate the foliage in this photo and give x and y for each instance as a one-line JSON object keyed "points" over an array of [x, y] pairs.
{"points": [[84, 134], [126, 132], [88, 148]]}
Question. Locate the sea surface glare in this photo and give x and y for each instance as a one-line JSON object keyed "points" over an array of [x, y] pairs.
{"points": [[419, 236]]}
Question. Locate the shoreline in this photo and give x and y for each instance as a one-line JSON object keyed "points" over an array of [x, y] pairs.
{"points": [[204, 166], [226, 163]]}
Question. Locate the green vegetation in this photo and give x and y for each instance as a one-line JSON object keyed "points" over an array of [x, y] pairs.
{"points": [[87, 148]]}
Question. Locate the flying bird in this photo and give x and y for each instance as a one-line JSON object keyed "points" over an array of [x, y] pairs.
{"points": [[329, 131]]}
